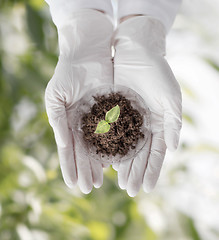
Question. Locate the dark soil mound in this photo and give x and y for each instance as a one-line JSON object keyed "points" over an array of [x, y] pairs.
{"points": [[123, 134]]}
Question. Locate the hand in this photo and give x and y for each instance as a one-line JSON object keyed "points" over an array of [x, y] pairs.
{"points": [[139, 63], [84, 63]]}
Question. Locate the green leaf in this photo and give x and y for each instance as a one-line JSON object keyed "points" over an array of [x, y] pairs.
{"points": [[113, 114], [102, 127]]}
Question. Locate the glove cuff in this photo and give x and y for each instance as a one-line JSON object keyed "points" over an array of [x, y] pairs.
{"points": [[163, 10], [62, 10], [83, 38], [141, 35]]}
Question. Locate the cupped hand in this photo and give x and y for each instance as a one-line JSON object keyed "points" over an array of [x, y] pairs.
{"points": [[84, 63], [139, 63]]}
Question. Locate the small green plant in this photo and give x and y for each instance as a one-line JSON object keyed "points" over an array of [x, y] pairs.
{"points": [[111, 116]]}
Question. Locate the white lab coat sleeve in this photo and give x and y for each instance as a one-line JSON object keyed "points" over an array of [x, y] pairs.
{"points": [[163, 10], [61, 10]]}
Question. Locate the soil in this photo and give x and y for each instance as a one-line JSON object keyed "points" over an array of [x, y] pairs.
{"points": [[123, 134]]}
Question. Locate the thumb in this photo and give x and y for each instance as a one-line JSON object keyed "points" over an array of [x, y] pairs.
{"points": [[55, 108], [172, 127]]}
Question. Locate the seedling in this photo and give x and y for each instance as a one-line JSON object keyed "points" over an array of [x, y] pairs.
{"points": [[111, 116]]}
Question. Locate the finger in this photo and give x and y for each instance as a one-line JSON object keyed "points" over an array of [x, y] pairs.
{"points": [[105, 165], [115, 166], [155, 161], [172, 123], [85, 179], [137, 171], [97, 173], [63, 135], [67, 164], [123, 172]]}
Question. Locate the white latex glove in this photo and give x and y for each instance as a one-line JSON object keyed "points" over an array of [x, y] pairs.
{"points": [[139, 64], [84, 63]]}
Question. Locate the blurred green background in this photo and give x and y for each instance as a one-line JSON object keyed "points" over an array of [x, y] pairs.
{"points": [[34, 201]]}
